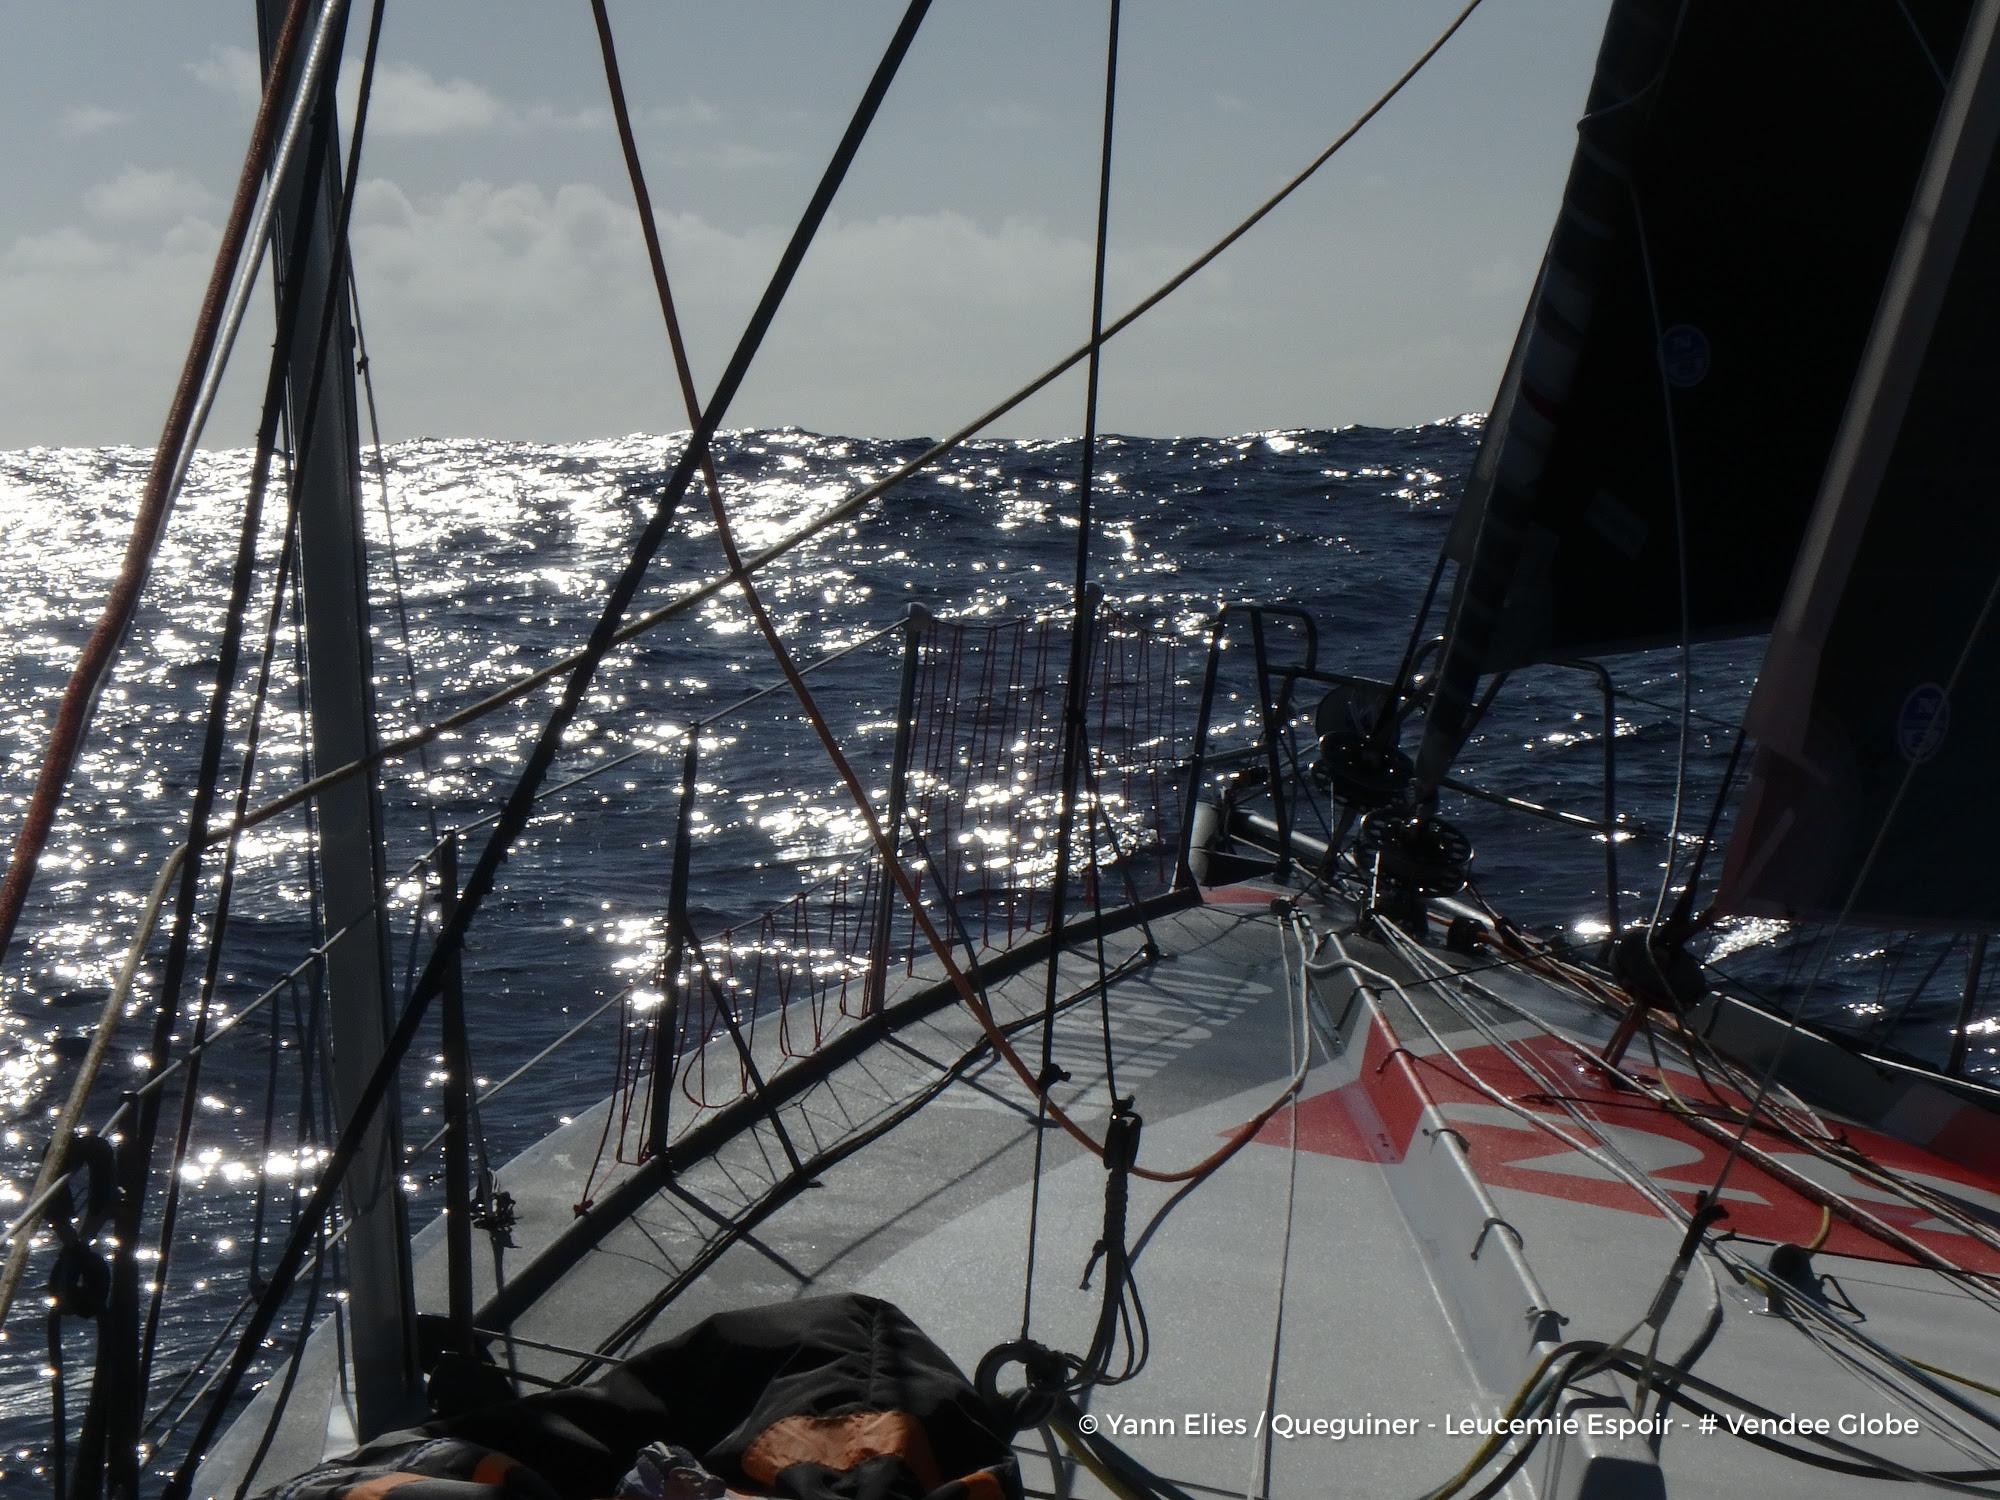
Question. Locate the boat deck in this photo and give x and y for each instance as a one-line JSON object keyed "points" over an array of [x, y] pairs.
{"points": [[1396, 1246]]}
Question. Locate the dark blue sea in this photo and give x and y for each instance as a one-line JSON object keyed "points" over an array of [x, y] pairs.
{"points": [[492, 558]]}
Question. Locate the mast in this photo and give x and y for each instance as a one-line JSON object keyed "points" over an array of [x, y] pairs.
{"points": [[381, 1307]]}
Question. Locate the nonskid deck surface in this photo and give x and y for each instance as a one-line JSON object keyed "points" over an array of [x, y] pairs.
{"points": [[1201, 1024], [1325, 1273], [1601, 1248]]}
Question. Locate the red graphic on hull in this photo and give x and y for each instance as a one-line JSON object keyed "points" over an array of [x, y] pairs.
{"points": [[1374, 1118]]}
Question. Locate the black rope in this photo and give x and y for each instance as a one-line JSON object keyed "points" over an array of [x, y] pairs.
{"points": [[1684, 906], [184, 1127], [1402, 690], [1680, 559], [274, 410], [520, 801], [1888, 1031], [1103, 959], [284, 1396], [1923, 44], [274, 1050], [307, 420], [843, 510], [1076, 687], [58, 1410], [425, 797]]}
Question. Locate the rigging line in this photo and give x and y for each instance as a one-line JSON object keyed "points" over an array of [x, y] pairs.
{"points": [[661, 745], [1420, 960], [287, 1384], [363, 368], [1298, 1033], [1887, 1033], [326, 41], [1706, 718], [520, 801], [1634, 1176], [100, 652], [1659, 75], [288, 314], [700, 448], [860, 499], [725, 534], [1681, 567], [1603, 1154], [766, 627], [1402, 689], [885, 848], [1083, 622], [1867, 1223], [199, 1037], [1165, 1210], [1097, 812], [1551, 965], [487, 1094], [826, 520], [1684, 907], [166, 1005], [1076, 684], [273, 1050], [1923, 44]]}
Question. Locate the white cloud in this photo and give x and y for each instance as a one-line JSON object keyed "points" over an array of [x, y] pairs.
{"points": [[1009, 114], [231, 72], [97, 330], [409, 101], [508, 309], [519, 311], [723, 156], [90, 119], [60, 251], [136, 195], [406, 100], [696, 111], [548, 117]]}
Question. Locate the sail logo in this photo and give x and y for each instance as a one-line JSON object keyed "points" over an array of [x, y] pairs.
{"points": [[1922, 723], [1684, 355]]}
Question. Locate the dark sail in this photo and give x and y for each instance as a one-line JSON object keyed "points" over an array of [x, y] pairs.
{"points": [[1768, 152], [1878, 708]]}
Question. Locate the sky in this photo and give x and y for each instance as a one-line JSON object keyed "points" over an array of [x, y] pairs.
{"points": [[503, 282]]}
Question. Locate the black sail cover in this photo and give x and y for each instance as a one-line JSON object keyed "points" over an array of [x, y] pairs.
{"points": [[1877, 714], [1768, 149]]}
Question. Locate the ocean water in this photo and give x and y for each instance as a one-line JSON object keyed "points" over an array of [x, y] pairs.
{"points": [[491, 558]]}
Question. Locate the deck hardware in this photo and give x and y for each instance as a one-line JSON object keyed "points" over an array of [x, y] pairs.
{"points": [[497, 1216], [1347, 1010], [1547, 1323], [1463, 1145], [1793, 1276], [1487, 1228]]}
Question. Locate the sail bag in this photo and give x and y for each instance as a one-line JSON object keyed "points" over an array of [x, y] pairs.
{"points": [[827, 1398]]}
